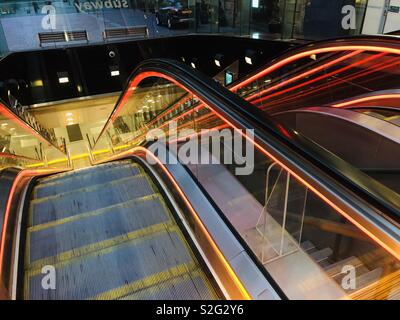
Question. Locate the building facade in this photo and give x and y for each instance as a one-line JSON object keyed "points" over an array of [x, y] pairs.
{"points": [[22, 22]]}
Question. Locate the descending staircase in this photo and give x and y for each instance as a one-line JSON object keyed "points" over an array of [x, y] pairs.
{"points": [[109, 235], [364, 276]]}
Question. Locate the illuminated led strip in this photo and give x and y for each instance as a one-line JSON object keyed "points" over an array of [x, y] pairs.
{"points": [[306, 53], [355, 101], [320, 88], [305, 74], [334, 72], [144, 75], [11, 116], [21, 175]]}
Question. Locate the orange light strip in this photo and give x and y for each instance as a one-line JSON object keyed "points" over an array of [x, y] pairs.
{"points": [[355, 101], [14, 156], [320, 88], [394, 252], [306, 53], [305, 74], [221, 257], [21, 175], [11, 116], [134, 82], [324, 76]]}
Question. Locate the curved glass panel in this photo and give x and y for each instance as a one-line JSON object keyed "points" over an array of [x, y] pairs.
{"points": [[310, 247], [348, 79], [21, 145]]}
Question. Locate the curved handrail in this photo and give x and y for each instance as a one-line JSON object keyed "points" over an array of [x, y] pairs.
{"points": [[321, 46], [9, 113], [336, 182], [364, 99], [378, 126]]}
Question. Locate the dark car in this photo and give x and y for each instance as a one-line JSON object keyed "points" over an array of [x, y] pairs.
{"points": [[172, 13]]}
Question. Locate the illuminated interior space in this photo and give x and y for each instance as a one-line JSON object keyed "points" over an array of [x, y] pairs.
{"points": [[208, 150]]}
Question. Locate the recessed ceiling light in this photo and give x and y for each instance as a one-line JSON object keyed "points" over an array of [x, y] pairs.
{"points": [[69, 114], [114, 73], [63, 77], [251, 56], [37, 83], [63, 80], [218, 59]]}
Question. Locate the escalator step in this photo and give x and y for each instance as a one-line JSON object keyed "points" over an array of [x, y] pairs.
{"points": [[191, 286], [112, 269], [321, 255], [82, 172], [336, 268], [307, 246], [79, 201], [93, 177], [87, 232]]}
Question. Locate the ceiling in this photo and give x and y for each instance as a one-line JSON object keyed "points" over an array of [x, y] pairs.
{"points": [[77, 111]]}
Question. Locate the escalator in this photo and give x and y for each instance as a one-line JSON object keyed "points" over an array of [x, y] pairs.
{"points": [[121, 228], [298, 228], [391, 115], [109, 234], [273, 215]]}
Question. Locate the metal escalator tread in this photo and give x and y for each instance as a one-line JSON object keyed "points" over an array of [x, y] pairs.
{"points": [[90, 198], [191, 286], [82, 172], [113, 240], [68, 238], [109, 270], [92, 177]]}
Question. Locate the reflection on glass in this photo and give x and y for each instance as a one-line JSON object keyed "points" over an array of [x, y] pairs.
{"points": [[310, 249], [21, 145], [342, 82]]}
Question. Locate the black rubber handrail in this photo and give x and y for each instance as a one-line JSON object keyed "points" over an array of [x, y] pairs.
{"points": [[354, 191], [28, 125], [351, 40]]}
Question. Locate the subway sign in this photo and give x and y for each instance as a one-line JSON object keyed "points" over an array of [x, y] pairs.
{"points": [[101, 4]]}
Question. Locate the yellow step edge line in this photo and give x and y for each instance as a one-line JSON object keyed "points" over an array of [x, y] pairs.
{"points": [[31, 273], [154, 279], [100, 211], [87, 189], [50, 183], [196, 272], [378, 289], [62, 174], [101, 247], [101, 151], [179, 232]]}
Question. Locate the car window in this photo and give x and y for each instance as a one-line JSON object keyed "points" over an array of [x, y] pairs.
{"points": [[176, 4], [166, 4]]}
